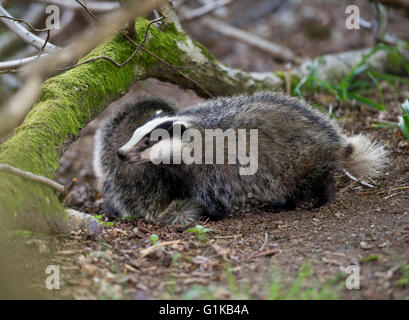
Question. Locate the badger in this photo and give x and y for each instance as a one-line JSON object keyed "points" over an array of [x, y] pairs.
{"points": [[145, 190], [298, 151]]}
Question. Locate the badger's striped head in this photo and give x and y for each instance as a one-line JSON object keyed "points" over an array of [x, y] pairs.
{"points": [[157, 140]]}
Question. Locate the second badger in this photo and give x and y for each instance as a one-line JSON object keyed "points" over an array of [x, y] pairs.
{"points": [[299, 149]]}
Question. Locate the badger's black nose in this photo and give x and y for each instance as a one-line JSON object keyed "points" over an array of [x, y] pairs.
{"points": [[122, 155]]}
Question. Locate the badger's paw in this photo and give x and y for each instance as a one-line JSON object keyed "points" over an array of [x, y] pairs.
{"points": [[181, 213]]}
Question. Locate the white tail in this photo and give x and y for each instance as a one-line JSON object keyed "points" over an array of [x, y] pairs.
{"points": [[368, 158]]}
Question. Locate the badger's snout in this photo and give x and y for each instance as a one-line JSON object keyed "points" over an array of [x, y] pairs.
{"points": [[122, 155], [132, 156]]}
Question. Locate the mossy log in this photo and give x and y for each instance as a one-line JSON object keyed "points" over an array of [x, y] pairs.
{"points": [[70, 100]]}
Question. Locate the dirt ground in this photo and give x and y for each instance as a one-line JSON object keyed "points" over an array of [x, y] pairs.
{"points": [[368, 227]]}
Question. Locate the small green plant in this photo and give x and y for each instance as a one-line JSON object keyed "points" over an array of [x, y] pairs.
{"points": [[99, 218], [154, 239], [200, 232], [353, 86], [299, 289], [404, 280], [371, 257], [404, 120], [302, 287], [175, 258], [231, 280]]}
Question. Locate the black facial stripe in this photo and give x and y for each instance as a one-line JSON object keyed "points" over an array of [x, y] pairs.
{"points": [[167, 125]]}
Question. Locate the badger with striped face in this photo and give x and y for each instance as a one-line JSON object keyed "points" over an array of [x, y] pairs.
{"points": [[298, 151], [158, 140]]}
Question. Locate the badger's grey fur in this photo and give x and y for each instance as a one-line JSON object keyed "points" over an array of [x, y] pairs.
{"points": [[147, 191], [298, 151]]}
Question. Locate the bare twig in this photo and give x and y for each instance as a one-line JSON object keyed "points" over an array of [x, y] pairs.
{"points": [[24, 34], [265, 242], [32, 177], [97, 6], [206, 9], [9, 40], [12, 65], [45, 43], [85, 7], [251, 39], [350, 176], [119, 65], [28, 24], [393, 189], [169, 11], [151, 249]]}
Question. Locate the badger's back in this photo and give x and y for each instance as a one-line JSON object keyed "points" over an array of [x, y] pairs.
{"points": [[299, 148]]}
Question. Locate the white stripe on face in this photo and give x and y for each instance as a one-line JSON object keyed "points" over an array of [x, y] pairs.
{"points": [[143, 131]]}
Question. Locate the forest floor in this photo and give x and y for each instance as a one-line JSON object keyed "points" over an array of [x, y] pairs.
{"points": [[254, 254]]}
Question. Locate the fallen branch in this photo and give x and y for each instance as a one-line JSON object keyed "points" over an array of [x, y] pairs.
{"points": [[273, 48], [9, 41], [350, 176], [97, 6], [33, 177], [203, 10], [24, 34], [12, 65]]}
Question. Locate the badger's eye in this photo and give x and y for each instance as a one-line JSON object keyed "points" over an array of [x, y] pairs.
{"points": [[147, 142]]}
